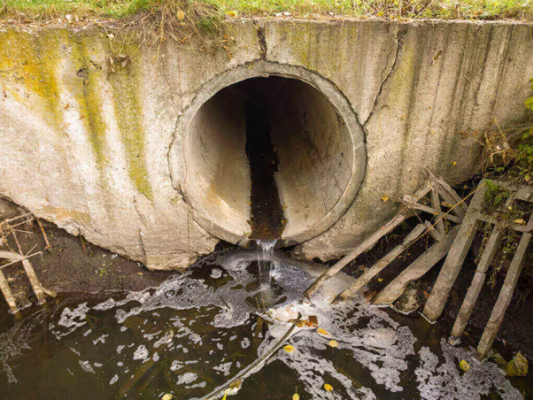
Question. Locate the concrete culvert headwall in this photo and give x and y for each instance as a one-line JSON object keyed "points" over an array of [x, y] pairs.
{"points": [[149, 158], [320, 155]]}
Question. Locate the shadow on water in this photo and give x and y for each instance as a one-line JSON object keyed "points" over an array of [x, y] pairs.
{"points": [[194, 332]]}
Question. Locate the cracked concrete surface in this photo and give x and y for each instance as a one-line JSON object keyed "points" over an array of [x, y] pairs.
{"points": [[92, 154]]}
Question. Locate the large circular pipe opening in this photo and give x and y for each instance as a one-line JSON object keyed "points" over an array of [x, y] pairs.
{"points": [[273, 153]]}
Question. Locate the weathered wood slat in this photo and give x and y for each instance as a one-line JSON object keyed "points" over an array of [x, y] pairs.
{"points": [[416, 270], [504, 298], [448, 194], [410, 203], [435, 203], [448, 274], [383, 263], [477, 284], [6, 291], [364, 246], [479, 278], [433, 232], [35, 283]]}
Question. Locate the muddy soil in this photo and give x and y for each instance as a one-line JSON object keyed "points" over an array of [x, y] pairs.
{"points": [[71, 264]]}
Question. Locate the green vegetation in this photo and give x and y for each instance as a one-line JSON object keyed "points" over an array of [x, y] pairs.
{"points": [[392, 9]]}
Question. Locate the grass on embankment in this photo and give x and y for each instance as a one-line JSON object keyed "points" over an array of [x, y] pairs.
{"points": [[31, 10]]}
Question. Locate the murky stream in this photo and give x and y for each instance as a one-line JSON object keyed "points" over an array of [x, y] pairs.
{"points": [[196, 331]]}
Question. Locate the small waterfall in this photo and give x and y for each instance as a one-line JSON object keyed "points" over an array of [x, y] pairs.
{"points": [[265, 259]]}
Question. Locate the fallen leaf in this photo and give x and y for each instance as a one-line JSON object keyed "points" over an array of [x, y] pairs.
{"points": [[518, 366], [231, 13], [380, 279], [333, 343], [519, 221], [322, 332], [444, 204], [463, 364], [295, 396], [328, 387], [312, 321], [288, 348], [454, 163], [180, 15], [167, 396], [385, 198]]}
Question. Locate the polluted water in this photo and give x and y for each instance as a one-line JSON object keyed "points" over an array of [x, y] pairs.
{"points": [[196, 331]]}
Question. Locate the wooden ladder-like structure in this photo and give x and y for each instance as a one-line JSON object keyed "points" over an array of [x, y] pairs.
{"points": [[457, 254]]}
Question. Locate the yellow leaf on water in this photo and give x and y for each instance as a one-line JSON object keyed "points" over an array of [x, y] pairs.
{"points": [[464, 365], [322, 332], [518, 366], [333, 343], [519, 221], [295, 396], [288, 348], [167, 396], [328, 387]]}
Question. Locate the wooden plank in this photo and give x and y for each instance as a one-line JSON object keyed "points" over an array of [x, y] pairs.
{"points": [[435, 203], [479, 278], [366, 245], [477, 283], [370, 273], [504, 298], [454, 261], [410, 203], [6, 291], [433, 232], [416, 270], [448, 194], [35, 283]]}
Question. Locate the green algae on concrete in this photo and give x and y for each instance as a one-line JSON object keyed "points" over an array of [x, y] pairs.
{"points": [[87, 92], [31, 62], [126, 83]]}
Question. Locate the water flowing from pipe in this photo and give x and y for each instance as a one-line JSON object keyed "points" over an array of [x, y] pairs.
{"points": [[264, 260]]}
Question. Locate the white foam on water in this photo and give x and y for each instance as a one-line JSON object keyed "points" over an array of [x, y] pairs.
{"points": [[224, 368], [141, 353], [374, 341], [86, 366], [186, 378], [445, 381]]}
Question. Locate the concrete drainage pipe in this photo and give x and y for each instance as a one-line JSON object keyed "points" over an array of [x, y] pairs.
{"points": [[315, 133]]}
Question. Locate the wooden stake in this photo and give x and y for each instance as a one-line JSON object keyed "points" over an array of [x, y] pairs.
{"points": [[505, 296], [48, 246], [367, 244], [6, 291], [383, 263], [477, 283], [448, 274], [34, 281], [435, 203], [416, 270]]}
